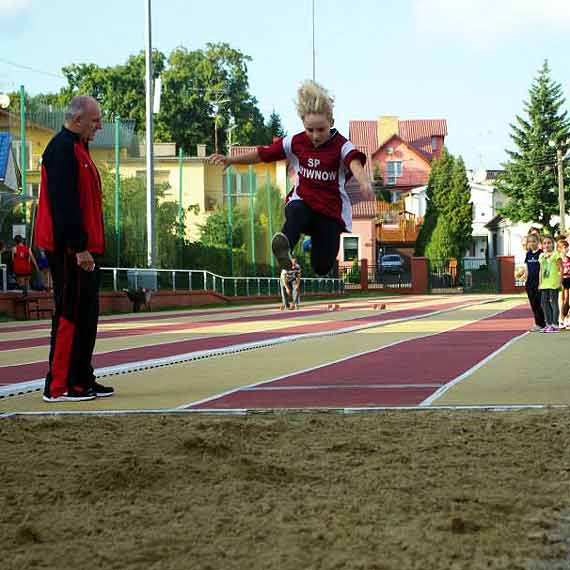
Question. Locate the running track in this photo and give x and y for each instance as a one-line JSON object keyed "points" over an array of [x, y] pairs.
{"points": [[404, 374], [25, 372]]}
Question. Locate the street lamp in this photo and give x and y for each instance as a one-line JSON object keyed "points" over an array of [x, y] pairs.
{"points": [[560, 158]]}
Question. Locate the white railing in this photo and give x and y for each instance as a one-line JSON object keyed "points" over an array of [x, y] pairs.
{"points": [[4, 277], [119, 278]]}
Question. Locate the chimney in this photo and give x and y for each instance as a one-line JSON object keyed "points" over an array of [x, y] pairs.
{"points": [[387, 127], [201, 150]]}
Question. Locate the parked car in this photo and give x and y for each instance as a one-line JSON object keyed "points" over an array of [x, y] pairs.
{"points": [[391, 263]]}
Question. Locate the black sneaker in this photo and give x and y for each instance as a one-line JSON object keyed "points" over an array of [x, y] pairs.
{"points": [[72, 396], [102, 391], [282, 250]]}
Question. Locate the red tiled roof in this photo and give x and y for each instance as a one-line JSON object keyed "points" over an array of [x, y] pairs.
{"points": [[241, 150], [364, 136], [416, 132]]}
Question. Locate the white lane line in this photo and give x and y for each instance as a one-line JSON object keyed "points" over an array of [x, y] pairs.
{"points": [[338, 387], [21, 388], [351, 356], [304, 411], [439, 393]]}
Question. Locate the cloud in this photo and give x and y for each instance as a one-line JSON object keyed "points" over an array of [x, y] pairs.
{"points": [[484, 20], [15, 16], [13, 7]]}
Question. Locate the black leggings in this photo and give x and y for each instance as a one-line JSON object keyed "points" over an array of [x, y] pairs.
{"points": [[324, 231]]}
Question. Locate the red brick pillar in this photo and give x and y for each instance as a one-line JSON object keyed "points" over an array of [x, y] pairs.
{"points": [[364, 274], [506, 274], [420, 283]]}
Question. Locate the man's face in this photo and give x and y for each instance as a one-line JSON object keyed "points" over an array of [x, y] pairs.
{"points": [[89, 122]]}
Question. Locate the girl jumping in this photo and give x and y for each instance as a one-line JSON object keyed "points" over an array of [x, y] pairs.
{"points": [[323, 160]]}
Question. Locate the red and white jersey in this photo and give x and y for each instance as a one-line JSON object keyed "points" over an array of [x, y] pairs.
{"points": [[322, 172]]}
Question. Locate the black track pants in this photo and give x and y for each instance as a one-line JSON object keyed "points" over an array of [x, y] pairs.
{"points": [[74, 325], [324, 231]]}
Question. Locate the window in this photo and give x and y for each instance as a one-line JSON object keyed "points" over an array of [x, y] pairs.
{"points": [[393, 171], [434, 143], [350, 248]]}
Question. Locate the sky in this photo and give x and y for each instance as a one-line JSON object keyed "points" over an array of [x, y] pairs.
{"points": [[468, 61]]}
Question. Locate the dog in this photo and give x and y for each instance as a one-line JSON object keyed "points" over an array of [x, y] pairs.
{"points": [[139, 297]]}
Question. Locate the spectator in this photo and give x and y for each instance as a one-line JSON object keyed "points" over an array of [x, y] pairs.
{"points": [[22, 261], [43, 266]]}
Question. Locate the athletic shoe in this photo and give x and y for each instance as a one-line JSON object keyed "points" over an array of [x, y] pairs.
{"points": [[72, 396], [282, 250], [102, 391], [536, 328], [562, 326]]}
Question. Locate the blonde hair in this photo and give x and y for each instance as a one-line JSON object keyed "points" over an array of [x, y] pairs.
{"points": [[314, 99]]}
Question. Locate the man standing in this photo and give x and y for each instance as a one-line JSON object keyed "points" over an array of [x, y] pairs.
{"points": [[69, 227]]}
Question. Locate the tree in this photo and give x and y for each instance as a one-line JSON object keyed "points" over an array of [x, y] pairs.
{"points": [[440, 247], [133, 222], [458, 211], [274, 126], [438, 188], [216, 228], [529, 180], [197, 86]]}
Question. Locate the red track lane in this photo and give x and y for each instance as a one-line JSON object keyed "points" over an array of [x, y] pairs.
{"points": [[436, 359], [34, 370], [23, 343], [198, 313]]}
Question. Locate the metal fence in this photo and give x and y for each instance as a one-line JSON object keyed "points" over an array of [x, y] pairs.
{"points": [[378, 277], [470, 274], [118, 279]]}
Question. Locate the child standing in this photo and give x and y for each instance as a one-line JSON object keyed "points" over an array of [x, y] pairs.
{"points": [[532, 279], [565, 283], [323, 160], [550, 281]]}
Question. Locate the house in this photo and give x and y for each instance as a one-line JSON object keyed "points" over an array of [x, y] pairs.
{"points": [[486, 201], [399, 154]]}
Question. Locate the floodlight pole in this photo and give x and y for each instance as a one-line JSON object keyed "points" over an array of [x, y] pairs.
{"points": [[561, 197], [151, 243], [314, 74]]}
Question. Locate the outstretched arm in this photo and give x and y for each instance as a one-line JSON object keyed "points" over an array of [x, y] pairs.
{"points": [[225, 161], [360, 174]]}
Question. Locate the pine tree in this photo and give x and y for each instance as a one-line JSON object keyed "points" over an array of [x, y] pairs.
{"points": [[274, 126], [440, 247], [438, 188], [458, 211], [529, 180]]}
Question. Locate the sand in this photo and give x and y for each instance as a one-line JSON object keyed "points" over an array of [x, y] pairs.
{"points": [[391, 491]]}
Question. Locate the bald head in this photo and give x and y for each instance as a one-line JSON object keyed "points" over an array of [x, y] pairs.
{"points": [[83, 116]]}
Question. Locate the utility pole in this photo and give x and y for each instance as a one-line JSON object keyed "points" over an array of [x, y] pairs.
{"points": [[561, 198], [151, 243], [314, 73]]}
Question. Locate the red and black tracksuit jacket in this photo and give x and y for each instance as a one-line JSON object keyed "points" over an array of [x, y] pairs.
{"points": [[69, 220]]}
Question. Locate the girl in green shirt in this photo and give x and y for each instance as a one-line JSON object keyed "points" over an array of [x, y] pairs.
{"points": [[550, 279]]}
